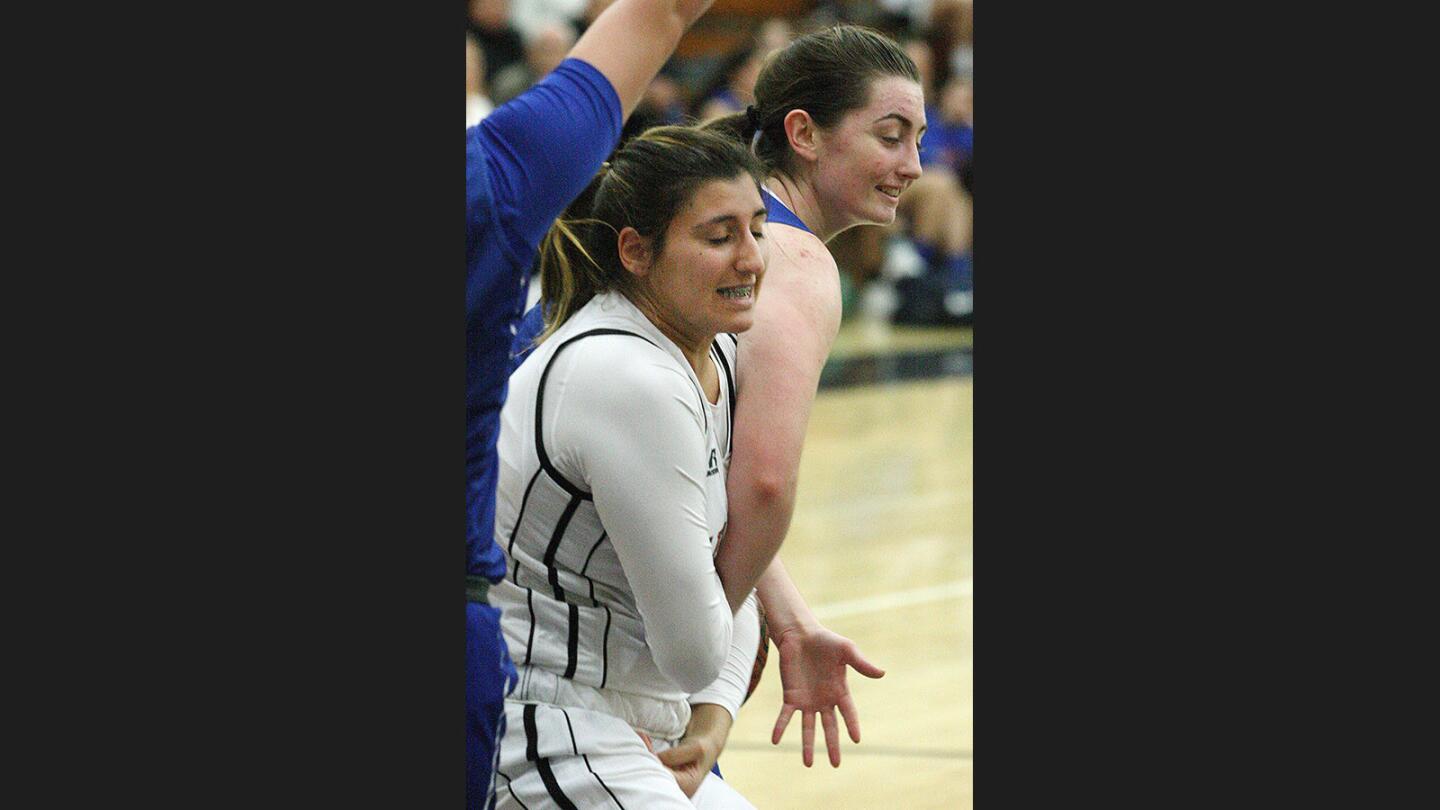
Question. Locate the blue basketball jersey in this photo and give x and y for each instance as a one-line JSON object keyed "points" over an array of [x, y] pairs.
{"points": [[776, 211], [519, 176]]}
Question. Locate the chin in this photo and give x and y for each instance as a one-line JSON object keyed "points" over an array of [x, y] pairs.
{"points": [[878, 216], [740, 323]]}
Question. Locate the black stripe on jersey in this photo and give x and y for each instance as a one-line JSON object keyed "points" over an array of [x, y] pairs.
{"points": [[532, 736], [605, 651], [593, 601], [576, 748], [572, 644], [520, 518], [601, 781], [573, 746], [552, 572], [517, 798], [542, 764], [587, 560], [530, 641], [540, 410], [552, 786], [730, 387]]}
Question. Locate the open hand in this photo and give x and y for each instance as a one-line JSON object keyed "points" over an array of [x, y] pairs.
{"points": [[812, 673]]}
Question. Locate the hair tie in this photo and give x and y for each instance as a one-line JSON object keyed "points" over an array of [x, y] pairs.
{"points": [[753, 116]]}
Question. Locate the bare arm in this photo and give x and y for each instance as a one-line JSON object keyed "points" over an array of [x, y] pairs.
{"points": [[797, 316], [797, 313], [630, 41], [785, 608]]}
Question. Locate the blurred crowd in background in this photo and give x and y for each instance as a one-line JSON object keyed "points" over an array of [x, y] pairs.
{"points": [[918, 271]]}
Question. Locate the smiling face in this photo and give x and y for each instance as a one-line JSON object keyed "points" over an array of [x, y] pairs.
{"points": [[711, 262], [871, 156]]}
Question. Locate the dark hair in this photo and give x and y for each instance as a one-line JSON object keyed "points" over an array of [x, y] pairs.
{"points": [[643, 186], [827, 74]]}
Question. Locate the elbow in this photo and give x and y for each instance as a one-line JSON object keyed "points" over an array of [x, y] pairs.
{"points": [[694, 666], [770, 491], [693, 676]]}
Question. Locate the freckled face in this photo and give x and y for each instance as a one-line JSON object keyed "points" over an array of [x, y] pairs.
{"points": [[872, 155]]}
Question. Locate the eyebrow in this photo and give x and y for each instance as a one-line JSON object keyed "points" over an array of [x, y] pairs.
{"points": [[902, 119], [759, 212]]}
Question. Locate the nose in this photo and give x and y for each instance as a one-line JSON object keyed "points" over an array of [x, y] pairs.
{"points": [[752, 256], [911, 169]]}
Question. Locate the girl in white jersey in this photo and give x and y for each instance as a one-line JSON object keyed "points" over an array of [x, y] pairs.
{"points": [[614, 449]]}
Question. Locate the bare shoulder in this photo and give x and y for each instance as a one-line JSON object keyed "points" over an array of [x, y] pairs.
{"points": [[802, 277], [800, 249]]}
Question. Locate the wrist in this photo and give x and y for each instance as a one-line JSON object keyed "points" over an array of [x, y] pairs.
{"points": [[709, 725], [791, 625]]}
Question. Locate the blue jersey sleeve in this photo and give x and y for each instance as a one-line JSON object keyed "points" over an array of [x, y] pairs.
{"points": [[530, 328], [542, 148]]}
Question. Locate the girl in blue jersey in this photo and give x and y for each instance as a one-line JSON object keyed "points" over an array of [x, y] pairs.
{"points": [[837, 119], [523, 164], [614, 448]]}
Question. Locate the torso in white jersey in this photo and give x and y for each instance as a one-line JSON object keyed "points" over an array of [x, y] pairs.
{"points": [[609, 510]]}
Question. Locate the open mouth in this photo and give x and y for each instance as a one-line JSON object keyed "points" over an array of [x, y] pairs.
{"points": [[893, 192], [738, 293]]}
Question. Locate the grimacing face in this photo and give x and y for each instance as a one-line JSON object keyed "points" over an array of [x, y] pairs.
{"points": [[872, 155], [715, 252]]}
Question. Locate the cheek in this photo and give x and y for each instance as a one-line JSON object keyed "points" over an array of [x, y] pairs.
{"points": [[695, 272], [869, 165]]}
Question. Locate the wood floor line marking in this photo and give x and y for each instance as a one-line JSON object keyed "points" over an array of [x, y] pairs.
{"points": [[897, 599], [850, 750]]}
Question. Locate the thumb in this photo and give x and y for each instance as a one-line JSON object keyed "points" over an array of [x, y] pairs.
{"points": [[861, 664], [681, 754]]}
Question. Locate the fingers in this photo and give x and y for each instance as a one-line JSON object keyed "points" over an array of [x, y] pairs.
{"points": [[786, 712], [861, 664], [832, 736], [852, 718], [649, 746], [690, 783], [807, 738]]}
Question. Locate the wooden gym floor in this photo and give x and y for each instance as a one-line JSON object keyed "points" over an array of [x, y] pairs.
{"points": [[880, 546]]}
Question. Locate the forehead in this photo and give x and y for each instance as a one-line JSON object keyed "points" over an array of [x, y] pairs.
{"points": [[891, 95], [737, 197]]}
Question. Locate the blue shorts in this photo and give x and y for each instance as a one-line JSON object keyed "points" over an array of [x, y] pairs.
{"points": [[489, 677]]}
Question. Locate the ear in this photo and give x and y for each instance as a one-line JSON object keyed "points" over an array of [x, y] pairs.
{"points": [[634, 251], [803, 134]]}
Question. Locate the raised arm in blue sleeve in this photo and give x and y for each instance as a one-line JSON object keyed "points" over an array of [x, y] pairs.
{"points": [[523, 165], [543, 148]]}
